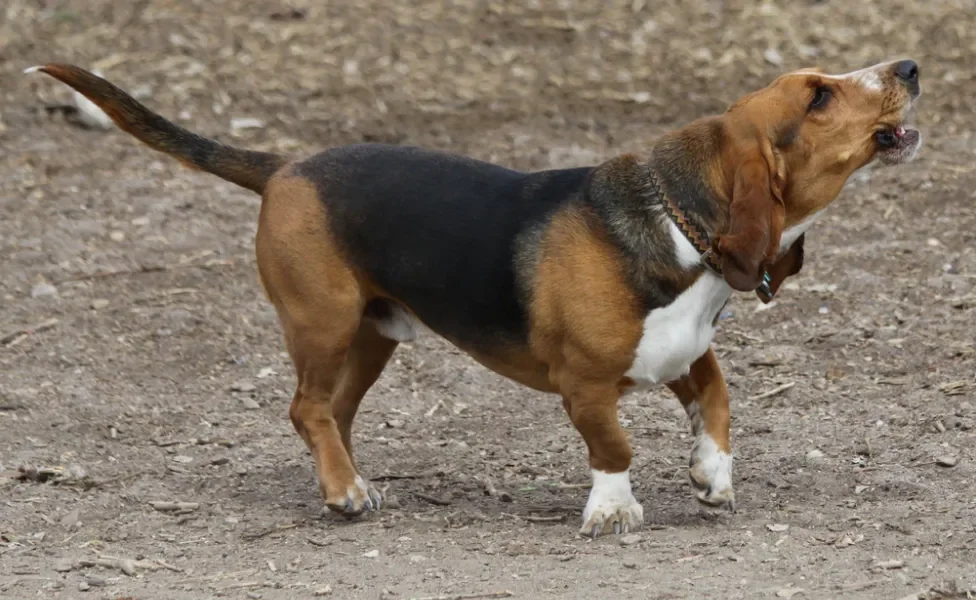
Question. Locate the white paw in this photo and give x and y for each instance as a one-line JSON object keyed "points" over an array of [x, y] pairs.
{"points": [[611, 507], [710, 470], [358, 497]]}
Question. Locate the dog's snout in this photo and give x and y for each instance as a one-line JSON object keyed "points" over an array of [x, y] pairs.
{"points": [[907, 71]]}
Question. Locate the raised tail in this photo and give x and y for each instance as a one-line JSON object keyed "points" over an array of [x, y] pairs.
{"points": [[243, 167]]}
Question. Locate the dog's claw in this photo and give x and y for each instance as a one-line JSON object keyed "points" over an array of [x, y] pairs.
{"points": [[359, 497]]}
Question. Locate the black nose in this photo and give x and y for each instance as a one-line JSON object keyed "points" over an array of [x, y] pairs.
{"points": [[907, 71]]}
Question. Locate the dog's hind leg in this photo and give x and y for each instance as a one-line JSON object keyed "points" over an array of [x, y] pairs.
{"points": [[365, 360], [320, 302]]}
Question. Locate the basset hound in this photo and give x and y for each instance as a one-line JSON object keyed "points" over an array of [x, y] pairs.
{"points": [[586, 282]]}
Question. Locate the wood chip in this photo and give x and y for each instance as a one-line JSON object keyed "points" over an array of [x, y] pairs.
{"points": [[773, 392], [174, 507]]}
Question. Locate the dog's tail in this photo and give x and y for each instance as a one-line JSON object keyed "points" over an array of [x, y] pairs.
{"points": [[243, 167]]}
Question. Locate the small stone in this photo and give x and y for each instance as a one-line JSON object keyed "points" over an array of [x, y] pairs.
{"points": [[630, 539], [254, 595], [83, 586], [44, 290], [858, 489], [788, 592], [183, 459], [888, 564], [394, 423], [250, 404], [70, 520], [630, 564], [246, 123], [777, 527], [322, 591], [95, 581], [814, 455], [116, 236], [372, 554], [242, 386], [128, 566], [417, 558], [140, 221], [773, 57], [391, 501], [947, 461], [99, 304], [232, 520], [63, 566], [940, 427], [266, 372]]}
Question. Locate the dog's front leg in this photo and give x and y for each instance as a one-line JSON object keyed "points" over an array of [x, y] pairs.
{"points": [[611, 507], [706, 400]]}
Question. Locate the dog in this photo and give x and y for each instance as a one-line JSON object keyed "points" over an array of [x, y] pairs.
{"points": [[588, 282]]}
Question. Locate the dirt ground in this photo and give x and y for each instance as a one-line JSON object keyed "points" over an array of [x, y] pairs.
{"points": [[152, 369]]}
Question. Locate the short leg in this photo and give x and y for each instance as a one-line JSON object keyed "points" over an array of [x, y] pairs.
{"points": [[611, 507], [320, 303], [319, 356], [365, 361], [705, 397]]}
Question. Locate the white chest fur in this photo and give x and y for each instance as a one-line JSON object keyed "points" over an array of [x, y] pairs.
{"points": [[678, 334]]}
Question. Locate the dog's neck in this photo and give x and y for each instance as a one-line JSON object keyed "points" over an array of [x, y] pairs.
{"points": [[680, 160]]}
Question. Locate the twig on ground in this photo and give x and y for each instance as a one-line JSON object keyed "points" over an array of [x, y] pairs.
{"points": [[15, 337], [552, 519], [573, 486], [319, 543], [432, 499], [476, 596], [395, 476], [773, 392], [430, 412], [260, 534], [242, 585]]}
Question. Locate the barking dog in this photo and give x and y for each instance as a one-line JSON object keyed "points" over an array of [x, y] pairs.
{"points": [[587, 282]]}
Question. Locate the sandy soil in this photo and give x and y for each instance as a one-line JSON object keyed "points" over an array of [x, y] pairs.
{"points": [[159, 373]]}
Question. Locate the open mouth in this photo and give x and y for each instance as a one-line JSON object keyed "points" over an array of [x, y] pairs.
{"points": [[898, 144]]}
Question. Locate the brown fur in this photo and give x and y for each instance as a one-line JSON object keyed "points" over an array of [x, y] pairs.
{"points": [[588, 275]]}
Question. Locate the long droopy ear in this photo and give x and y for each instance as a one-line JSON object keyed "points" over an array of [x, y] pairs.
{"points": [[751, 238]]}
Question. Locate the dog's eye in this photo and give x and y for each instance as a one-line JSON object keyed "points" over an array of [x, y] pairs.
{"points": [[821, 96]]}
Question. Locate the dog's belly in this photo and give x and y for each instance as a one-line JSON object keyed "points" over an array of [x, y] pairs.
{"points": [[678, 334]]}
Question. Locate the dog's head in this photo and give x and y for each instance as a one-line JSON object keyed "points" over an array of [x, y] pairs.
{"points": [[789, 148]]}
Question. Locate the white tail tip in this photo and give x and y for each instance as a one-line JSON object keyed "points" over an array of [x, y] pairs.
{"points": [[30, 70]]}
